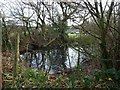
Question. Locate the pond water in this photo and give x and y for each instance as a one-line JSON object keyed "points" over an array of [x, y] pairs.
{"points": [[42, 60]]}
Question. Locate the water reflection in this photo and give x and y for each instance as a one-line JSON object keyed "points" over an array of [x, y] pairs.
{"points": [[43, 60]]}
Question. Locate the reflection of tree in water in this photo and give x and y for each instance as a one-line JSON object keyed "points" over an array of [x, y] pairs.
{"points": [[59, 56], [39, 59]]}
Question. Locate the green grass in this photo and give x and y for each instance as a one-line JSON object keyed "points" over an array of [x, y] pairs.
{"points": [[73, 35]]}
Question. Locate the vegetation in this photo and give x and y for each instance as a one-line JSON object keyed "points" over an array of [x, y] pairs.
{"points": [[39, 40]]}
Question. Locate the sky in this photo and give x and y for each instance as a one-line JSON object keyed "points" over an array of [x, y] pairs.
{"points": [[4, 3], [4, 6]]}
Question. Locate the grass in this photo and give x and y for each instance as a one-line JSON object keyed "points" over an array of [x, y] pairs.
{"points": [[73, 35]]}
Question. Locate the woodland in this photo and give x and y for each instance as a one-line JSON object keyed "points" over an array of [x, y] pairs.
{"points": [[60, 44]]}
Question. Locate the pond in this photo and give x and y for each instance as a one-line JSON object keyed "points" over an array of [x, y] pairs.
{"points": [[44, 59]]}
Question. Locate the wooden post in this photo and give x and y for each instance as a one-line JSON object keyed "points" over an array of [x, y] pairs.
{"points": [[16, 56]]}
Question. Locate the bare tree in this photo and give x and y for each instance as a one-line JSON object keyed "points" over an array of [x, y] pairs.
{"points": [[117, 42], [102, 20]]}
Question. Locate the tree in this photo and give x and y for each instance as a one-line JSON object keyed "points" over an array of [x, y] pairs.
{"points": [[117, 42], [60, 24], [103, 23], [58, 14], [0, 51], [40, 16]]}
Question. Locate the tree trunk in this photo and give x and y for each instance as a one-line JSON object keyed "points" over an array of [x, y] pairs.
{"points": [[0, 53], [117, 49], [0, 70], [105, 56]]}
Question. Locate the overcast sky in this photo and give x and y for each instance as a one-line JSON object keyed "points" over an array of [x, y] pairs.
{"points": [[103, 1], [4, 4]]}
